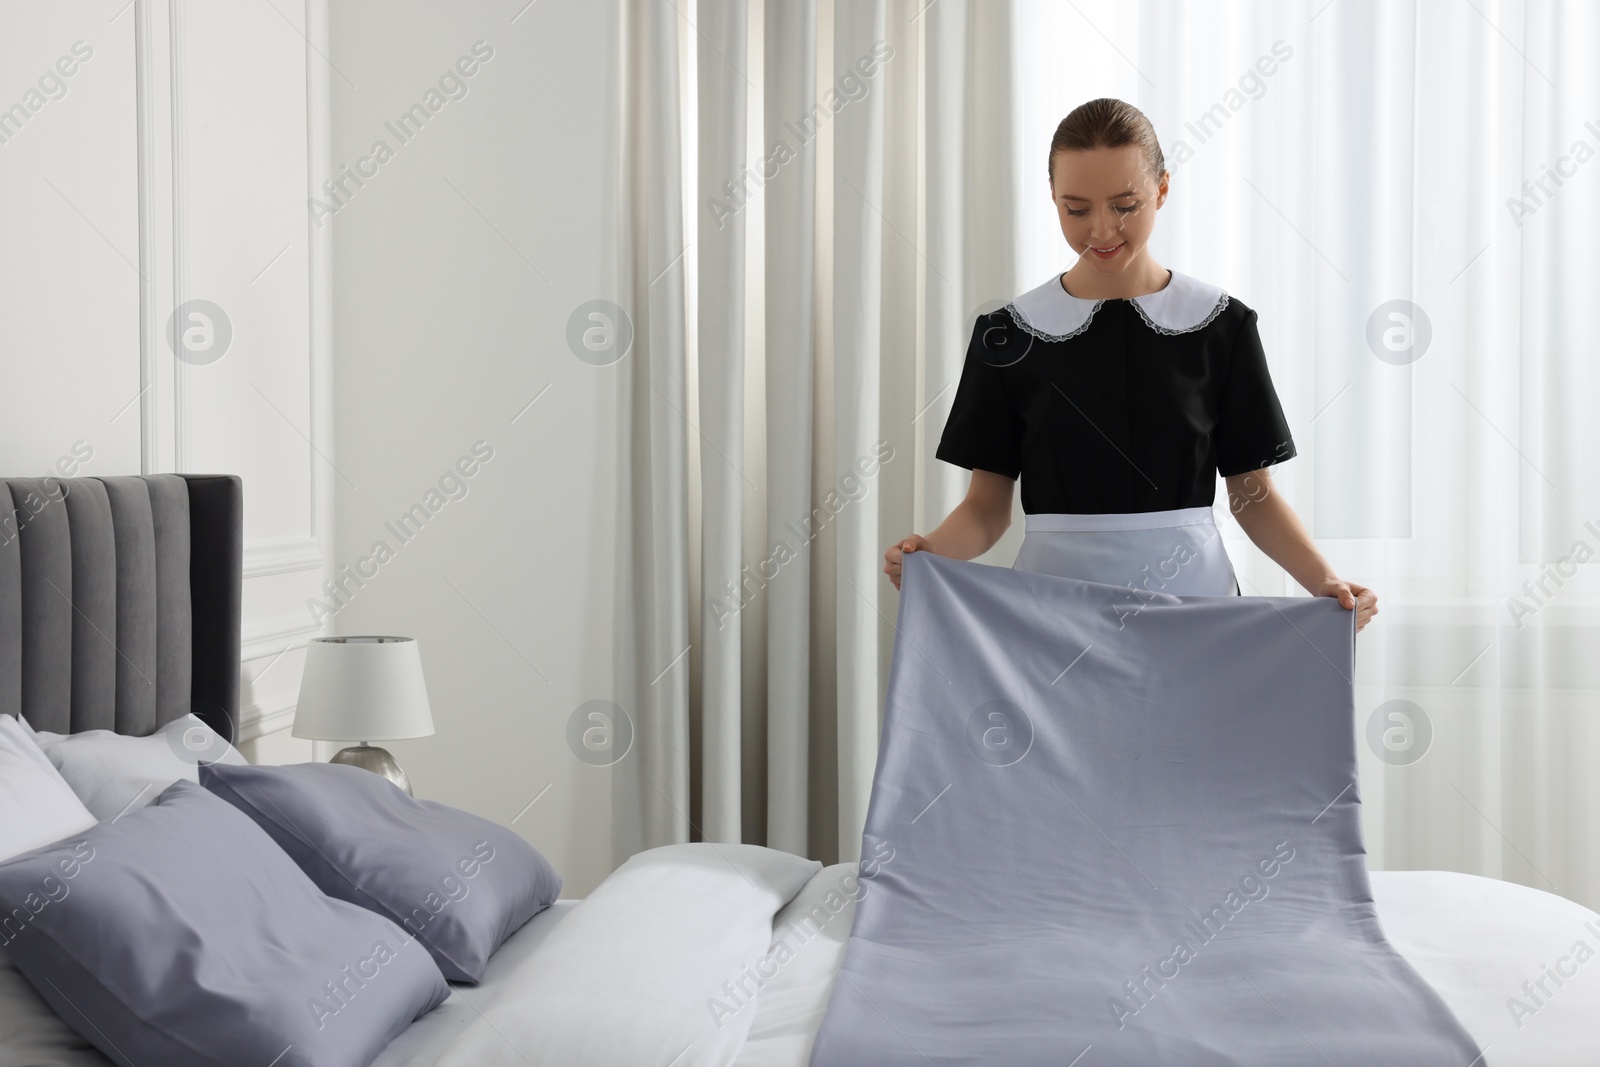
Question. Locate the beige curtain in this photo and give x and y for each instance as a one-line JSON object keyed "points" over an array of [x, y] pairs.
{"points": [[819, 197]]}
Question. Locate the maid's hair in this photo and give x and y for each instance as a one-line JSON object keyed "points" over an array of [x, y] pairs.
{"points": [[1107, 122]]}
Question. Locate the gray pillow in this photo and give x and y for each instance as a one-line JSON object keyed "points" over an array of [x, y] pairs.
{"points": [[457, 882], [181, 935]]}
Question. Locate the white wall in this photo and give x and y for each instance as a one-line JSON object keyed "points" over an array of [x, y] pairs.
{"points": [[180, 160], [457, 263], [173, 163], [70, 293]]}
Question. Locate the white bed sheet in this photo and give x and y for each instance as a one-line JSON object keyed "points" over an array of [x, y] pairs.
{"points": [[1476, 941], [430, 1035]]}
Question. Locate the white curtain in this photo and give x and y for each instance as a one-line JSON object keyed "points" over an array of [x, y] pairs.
{"points": [[1406, 193], [1328, 161], [802, 278], [650, 784]]}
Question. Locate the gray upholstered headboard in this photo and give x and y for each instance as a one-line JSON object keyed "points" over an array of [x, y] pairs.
{"points": [[120, 601]]}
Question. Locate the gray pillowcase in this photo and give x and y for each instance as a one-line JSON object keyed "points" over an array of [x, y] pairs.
{"points": [[457, 882], [180, 935]]}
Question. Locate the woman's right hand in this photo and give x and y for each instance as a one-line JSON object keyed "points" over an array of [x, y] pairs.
{"points": [[892, 558]]}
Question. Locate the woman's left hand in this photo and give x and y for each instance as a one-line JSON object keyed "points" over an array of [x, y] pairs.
{"points": [[1352, 595]]}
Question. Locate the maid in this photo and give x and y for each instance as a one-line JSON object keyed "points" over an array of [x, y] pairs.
{"points": [[1117, 391]]}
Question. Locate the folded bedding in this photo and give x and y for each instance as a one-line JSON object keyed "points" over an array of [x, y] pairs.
{"points": [[1161, 798]]}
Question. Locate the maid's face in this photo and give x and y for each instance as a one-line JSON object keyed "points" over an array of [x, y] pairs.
{"points": [[1107, 200]]}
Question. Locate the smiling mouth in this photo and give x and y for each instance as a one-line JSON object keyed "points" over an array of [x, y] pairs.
{"points": [[1113, 248]]}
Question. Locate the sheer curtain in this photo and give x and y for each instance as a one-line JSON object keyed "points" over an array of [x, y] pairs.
{"points": [[822, 195], [1406, 193]]}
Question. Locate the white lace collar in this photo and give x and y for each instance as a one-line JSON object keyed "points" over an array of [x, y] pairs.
{"points": [[1186, 303]]}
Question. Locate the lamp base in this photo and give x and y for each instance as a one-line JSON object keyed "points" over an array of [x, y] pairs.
{"points": [[374, 759]]}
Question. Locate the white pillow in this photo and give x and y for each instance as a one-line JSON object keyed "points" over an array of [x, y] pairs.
{"points": [[113, 773], [663, 935], [37, 806]]}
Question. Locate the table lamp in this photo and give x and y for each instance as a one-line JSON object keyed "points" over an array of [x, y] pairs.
{"points": [[363, 689]]}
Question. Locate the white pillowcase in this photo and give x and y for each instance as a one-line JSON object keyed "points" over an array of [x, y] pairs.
{"points": [[37, 806], [626, 975], [113, 772]]}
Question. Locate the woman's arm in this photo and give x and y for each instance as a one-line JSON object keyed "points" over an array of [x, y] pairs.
{"points": [[971, 529], [979, 521], [1266, 517]]}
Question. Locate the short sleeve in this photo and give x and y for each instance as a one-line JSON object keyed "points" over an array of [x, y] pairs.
{"points": [[983, 431], [1251, 431]]}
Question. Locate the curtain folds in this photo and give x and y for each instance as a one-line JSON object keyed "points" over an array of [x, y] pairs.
{"points": [[724, 89], [791, 117], [650, 784], [858, 187], [848, 190], [821, 195]]}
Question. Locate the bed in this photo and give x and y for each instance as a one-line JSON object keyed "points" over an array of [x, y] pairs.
{"points": [[1477, 940], [697, 953]]}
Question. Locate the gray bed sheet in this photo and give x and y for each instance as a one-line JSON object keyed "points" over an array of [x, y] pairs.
{"points": [[1108, 829]]}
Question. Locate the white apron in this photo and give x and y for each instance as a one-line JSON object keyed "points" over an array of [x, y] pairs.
{"points": [[1178, 551]]}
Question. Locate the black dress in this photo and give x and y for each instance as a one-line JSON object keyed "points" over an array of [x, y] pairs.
{"points": [[1118, 415], [1117, 405]]}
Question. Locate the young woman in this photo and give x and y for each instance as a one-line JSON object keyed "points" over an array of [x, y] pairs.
{"points": [[1118, 391]]}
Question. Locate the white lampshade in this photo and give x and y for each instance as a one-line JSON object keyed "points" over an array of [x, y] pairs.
{"points": [[362, 689]]}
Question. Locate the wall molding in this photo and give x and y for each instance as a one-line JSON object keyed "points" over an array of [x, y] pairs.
{"points": [[273, 637], [319, 107], [144, 139], [282, 557], [305, 556], [166, 35], [257, 720], [180, 229], [157, 250]]}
